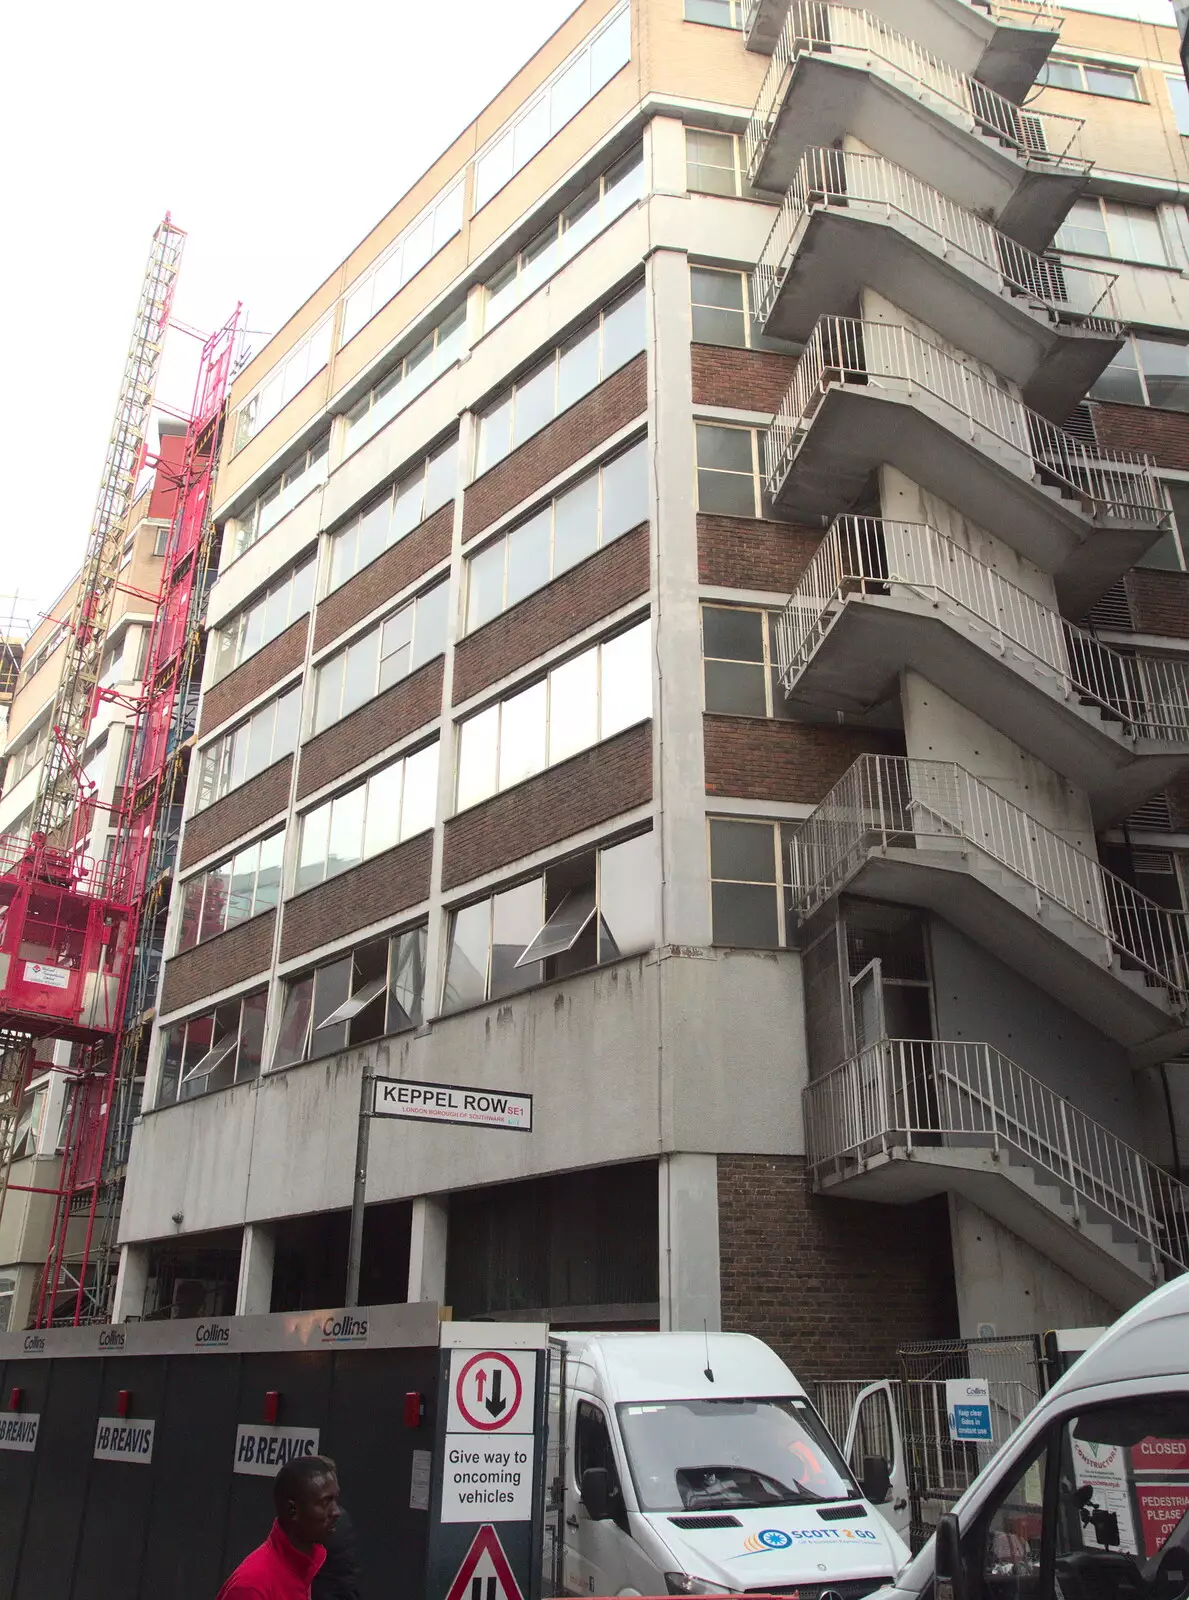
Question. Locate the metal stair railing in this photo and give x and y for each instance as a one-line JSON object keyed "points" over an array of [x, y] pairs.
{"points": [[1116, 484], [1010, 13], [894, 802], [818, 26], [904, 1093], [1148, 695], [826, 177]]}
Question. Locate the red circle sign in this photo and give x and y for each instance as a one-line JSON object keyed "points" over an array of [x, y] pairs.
{"points": [[510, 1408]]}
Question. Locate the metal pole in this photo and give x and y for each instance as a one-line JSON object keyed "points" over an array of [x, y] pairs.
{"points": [[359, 1191]]}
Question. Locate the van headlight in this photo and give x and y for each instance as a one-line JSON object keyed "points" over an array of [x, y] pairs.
{"points": [[686, 1583]]}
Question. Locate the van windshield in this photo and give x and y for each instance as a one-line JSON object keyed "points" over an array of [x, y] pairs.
{"points": [[718, 1455]]}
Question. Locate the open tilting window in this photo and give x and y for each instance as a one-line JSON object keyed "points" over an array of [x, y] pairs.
{"points": [[374, 990], [213, 1049]]}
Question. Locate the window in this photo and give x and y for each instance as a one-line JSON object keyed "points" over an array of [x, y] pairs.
{"points": [[430, 231], [238, 755], [1098, 227], [718, 13], [580, 913], [241, 887], [1089, 77], [582, 519], [578, 80], [27, 755], [426, 361], [595, 208], [719, 304], [747, 873], [714, 163], [728, 470], [581, 702], [593, 1448], [1168, 553], [26, 1130], [43, 652], [381, 657], [1147, 372], [281, 604], [394, 803], [741, 676], [282, 494], [8, 1289], [288, 378], [1178, 94], [213, 1050], [386, 521], [566, 374], [374, 990], [161, 539]]}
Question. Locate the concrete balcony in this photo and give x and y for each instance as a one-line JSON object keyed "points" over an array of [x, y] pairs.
{"points": [[880, 597], [868, 393], [838, 71], [929, 834], [851, 222], [908, 1118], [1002, 45]]}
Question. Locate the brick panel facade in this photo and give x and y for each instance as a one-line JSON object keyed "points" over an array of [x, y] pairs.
{"points": [[749, 380], [237, 813], [579, 793], [739, 553], [257, 673], [1164, 435], [757, 758], [567, 439], [400, 565], [834, 1286], [241, 952], [393, 715], [594, 589], [1159, 602], [368, 893]]}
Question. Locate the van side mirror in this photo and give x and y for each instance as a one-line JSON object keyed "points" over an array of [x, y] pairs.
{"points": [[876, 1482], [949, 1574], [595, 1494]]}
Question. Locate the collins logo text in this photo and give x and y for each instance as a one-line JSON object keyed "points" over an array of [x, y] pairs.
{"points": [[344, 1329], [212, 1333]]}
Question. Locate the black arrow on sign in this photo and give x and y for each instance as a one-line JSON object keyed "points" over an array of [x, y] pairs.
{"points": [[496, 1402]]}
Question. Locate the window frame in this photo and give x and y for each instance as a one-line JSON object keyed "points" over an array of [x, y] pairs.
{"points": [[240, 620], [361, 786], [316, 459], [1082, 64], [392, 497], [735, 10], [414, 604], [449, 345], [250, 417], [453, 193], [785, 922], [757, 468], [392, 940], [1103, 202], [1178, 97], [204, 880], [223, 744], [749, 329], [210, 1014], [742, 189], [1133, 341], [769, 664]]}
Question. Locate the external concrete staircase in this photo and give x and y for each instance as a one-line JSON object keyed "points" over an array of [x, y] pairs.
{"points": [[910, 1118]]}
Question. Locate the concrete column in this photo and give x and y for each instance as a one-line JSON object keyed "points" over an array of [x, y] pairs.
{"points": [[253, 1295], [688, 1237], [132, 1283], [427, 1249]]}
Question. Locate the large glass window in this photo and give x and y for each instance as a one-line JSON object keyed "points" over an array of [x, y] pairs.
{"points": [[719, 307], [1147, 371], [283, 493], [404, 258], [1090, 77], [1098, 227], [740, 673], [285, 600], [376, 989], [714, 163], [584, 361], [288, 378], [241, 887], [584, 700], [440, 348], [748, 874], [591, 513], [608, 197], [421, 492], [238, 755], [580, 913], [728, 470], [718, 13], [1178, 94], [212, 1050], [384, 810], [381, 657]]}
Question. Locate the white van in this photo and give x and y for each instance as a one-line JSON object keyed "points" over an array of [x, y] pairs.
{"points": [[1089, 1498], [696, 1464]]}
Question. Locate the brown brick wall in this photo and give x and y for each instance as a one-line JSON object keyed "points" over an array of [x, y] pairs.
{"points": [[241, 952], [750, 380], [258, 673], [237, 813], [594, 589], [567, 439], [1164, 435], [834, 1286], [379, 888], [387, 575], [738, 553], [588, 789], [397, 712], [757, 758], [1159, 602]]}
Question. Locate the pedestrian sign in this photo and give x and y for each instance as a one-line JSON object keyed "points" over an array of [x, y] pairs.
{"points": [[492, 1391], [968, 1408], [485, 1573]]}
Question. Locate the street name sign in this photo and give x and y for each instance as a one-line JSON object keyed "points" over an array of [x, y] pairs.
{"points": [[453, 1103]]}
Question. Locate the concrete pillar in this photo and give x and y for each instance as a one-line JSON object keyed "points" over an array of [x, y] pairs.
{"points": [[427, 1249], [253, 1294], [689, 1264], [132, 1283]]}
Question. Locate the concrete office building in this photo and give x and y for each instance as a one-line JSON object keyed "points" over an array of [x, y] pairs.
{"points": [[727, 352]]}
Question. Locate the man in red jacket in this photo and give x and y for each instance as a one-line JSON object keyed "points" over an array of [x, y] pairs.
{"points": [[306, 1495]]}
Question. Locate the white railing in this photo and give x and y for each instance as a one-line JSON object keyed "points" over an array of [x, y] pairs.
{"points": [[893, 802], [1114, 484], [1149, 695], [902, 1093], [1011, 13], [827, 177], [822, 27]]}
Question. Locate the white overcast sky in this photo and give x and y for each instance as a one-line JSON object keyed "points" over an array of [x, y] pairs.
{"points": [[276, 134]]}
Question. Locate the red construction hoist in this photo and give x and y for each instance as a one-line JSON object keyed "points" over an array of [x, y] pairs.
{"points": [[76, 953]]}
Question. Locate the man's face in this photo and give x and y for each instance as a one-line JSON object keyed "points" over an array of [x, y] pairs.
{"points": [[314, 1515]]}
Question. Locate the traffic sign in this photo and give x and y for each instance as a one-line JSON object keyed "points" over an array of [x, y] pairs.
{"points": [[452, 1102], [485, 1573], [491, 1391]]}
